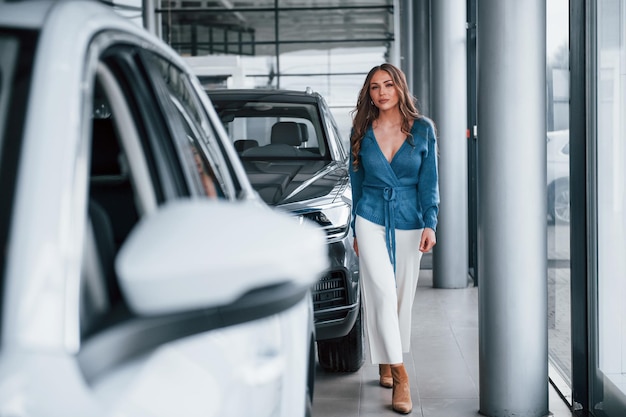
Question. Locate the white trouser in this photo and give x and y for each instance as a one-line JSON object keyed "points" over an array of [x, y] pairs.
{"points": [[387, 300]]}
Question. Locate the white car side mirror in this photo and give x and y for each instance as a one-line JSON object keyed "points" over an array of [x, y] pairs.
{"points": [[198, 254]]}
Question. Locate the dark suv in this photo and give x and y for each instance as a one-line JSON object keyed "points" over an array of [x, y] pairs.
{"points": [[292, 152]]}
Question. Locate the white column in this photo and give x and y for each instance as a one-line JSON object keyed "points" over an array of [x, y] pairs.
{"points": [[449, 112], [148, 13], [406, 45], [421, 54], [513, 335]]}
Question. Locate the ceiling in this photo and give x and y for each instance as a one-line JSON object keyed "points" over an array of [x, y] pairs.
{"points": [[263, 26]]}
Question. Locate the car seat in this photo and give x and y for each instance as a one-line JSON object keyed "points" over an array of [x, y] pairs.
{"points": [[284, 139], [245, 144]]}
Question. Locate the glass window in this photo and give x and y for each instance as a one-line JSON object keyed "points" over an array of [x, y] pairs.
{"points": [[324, 45], [17, 50], [333, 131], [558, 191], [8, 52], [610, 309], [201, 148]]}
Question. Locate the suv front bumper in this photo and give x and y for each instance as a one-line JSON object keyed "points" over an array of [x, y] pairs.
{"points": [[336, 296]]}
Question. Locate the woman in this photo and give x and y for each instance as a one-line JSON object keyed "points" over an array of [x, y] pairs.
{"points": [[395, 196]]}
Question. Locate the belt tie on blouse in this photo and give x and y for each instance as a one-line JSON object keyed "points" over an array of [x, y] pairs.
{"points": [[390, 195]]}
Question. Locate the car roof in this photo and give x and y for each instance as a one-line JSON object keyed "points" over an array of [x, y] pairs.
{"points": [[86, 15], [252, 94], [82, 18], [24, 14]]}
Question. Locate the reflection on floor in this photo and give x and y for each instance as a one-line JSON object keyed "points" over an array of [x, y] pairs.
{"points": [[442, 365], [559, 310]]}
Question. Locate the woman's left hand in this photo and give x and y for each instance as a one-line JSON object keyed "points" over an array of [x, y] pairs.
{"points": [[428, 240]]}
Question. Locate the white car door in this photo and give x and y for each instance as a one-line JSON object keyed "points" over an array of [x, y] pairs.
{"points": [[126, 290]]}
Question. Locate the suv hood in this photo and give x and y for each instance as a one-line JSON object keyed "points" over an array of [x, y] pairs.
{"points": [[281, 182]]}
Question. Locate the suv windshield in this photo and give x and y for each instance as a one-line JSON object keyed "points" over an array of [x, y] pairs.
{"points": [[274, 130]]}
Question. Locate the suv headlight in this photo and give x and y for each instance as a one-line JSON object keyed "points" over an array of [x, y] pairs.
{"points": [[335, 220]]}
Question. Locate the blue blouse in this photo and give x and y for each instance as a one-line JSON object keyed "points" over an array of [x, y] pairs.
{"points": [[401, 194]]}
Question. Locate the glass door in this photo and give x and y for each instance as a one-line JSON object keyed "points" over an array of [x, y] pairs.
{"points": [[558, 194], [608, 304]]}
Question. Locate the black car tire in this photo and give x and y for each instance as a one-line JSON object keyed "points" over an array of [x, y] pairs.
{"points": [[558, 201], [344, 354]]}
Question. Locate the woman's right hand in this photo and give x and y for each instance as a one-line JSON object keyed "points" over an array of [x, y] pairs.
{"points": [[355, 245]]}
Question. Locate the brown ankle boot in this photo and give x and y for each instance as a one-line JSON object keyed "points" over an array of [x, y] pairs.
{"points": [[386, 380], [401, 397]]}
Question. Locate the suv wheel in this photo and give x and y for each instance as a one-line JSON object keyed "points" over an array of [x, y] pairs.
{"points": [[344, 354]]}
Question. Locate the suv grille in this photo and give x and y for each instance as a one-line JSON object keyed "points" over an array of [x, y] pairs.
{"points": [[330, 291]]}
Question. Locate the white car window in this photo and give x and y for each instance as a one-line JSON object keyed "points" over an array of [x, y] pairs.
{"points": [[121, 191], [201, 143], [8, 52]]}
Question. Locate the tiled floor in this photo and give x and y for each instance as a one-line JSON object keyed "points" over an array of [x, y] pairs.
{"points": [[442, 365]]}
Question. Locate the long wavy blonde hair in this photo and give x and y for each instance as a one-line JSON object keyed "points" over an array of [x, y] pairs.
{"points": [[366, 112]]}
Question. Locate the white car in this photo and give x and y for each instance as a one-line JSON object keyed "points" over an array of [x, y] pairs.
{"points": [[138, 274], [557, 151]]}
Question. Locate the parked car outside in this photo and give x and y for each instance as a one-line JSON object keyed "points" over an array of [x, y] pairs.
{"points": [[140, 274], [292, 152], [557, 151]]}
